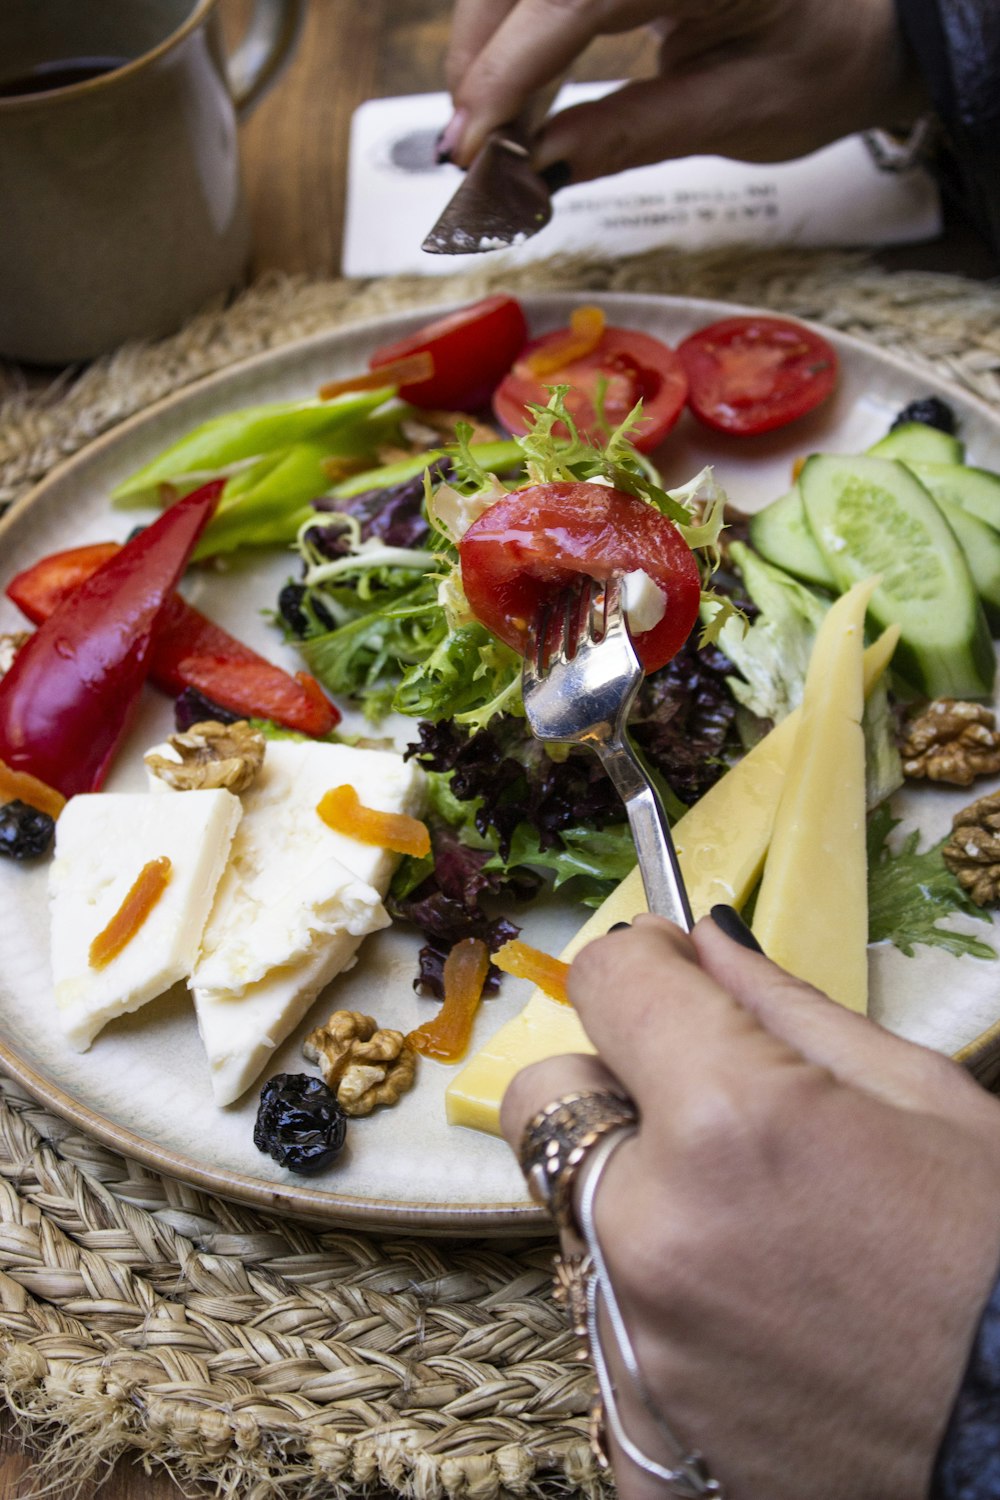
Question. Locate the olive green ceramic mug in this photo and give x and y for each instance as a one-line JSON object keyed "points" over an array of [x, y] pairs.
{"points": [[121, 204]]}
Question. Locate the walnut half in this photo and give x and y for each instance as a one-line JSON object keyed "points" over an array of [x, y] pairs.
{"points": [[363, 1065], [972, 853], [951, 741], [211, 755]]}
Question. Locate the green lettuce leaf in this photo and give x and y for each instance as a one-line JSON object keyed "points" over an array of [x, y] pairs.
{"points": [[596, 859], [911, 892], [773, 653]]}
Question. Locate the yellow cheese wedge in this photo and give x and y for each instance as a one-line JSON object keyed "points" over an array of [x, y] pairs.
{"points": [[721, 844], [812, 909], [544, 1028]]}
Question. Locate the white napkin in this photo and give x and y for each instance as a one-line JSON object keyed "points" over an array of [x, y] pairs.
{"points": [[836, 196]]}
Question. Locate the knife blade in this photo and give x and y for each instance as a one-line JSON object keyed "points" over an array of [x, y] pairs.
{"points": [[501, 201]]}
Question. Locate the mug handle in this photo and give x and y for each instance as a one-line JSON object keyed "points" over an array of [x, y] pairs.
{"points": [[267, 45]]}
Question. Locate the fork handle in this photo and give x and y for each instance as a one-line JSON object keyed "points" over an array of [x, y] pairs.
{"points": [[661, 874]]}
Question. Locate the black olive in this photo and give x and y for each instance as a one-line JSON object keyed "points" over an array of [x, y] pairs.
{"points": [[192, 707], [25, 833], [295, 617], [291, 611], [931, 411], [299, 1122]]}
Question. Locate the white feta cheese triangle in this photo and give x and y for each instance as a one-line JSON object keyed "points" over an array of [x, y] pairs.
{"points": [[295, 901], [102, 843]]}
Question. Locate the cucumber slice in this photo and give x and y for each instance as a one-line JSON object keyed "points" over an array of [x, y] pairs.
{"points": [[871, 515], [975, 490], [981, 546], [780, 533], [916, 442]]}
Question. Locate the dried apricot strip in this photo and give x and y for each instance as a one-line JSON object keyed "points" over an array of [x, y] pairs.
{"points": [[522, 961], [447, 1036], [586, 329], [21, 786], [405, 371], [147, 888], [342, 810]]}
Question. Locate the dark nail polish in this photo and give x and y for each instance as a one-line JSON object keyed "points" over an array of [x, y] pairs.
{"points": [[733, 925], [556, 176], [451, 136], [620, 927]]}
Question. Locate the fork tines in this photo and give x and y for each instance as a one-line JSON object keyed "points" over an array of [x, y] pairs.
{"points": [[588, 609]]}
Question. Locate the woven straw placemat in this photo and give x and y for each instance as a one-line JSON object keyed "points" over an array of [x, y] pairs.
{"points": [[251, 1355]]}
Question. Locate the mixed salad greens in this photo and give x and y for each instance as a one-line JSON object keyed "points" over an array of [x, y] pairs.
{"points": [[379, 614]]}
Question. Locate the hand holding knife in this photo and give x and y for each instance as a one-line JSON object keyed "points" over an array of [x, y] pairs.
{"points": [[502, 200]]}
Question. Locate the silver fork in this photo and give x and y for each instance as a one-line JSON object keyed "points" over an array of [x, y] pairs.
{"points": [[579, 679]]}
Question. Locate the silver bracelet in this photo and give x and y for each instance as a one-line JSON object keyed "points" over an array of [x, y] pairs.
{"points": [[689, 1477]]}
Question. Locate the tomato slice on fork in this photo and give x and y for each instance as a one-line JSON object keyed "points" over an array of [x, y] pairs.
{"points": [[533, 542]]}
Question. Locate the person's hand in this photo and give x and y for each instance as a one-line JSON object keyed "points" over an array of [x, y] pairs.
{"points": [[759, 80], [804, 1229]]}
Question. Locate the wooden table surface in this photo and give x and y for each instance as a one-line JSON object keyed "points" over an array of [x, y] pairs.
{"points": [[295, 154]]}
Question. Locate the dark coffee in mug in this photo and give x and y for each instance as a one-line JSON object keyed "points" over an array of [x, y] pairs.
{"points": [[60, 73], [121, 204]]}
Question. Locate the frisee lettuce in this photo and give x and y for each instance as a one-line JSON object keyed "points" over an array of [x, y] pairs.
{"points": [[469, 677]]}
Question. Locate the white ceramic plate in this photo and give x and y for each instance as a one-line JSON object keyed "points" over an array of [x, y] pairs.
{"points": [[143, 1087]]}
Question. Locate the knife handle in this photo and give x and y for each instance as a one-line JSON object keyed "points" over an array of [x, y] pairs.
{"points": [[529, 122]]}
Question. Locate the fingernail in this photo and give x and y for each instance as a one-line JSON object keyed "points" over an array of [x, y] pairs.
{"points": [[450, 136], [620, 927], [556, 176], [733, 925]]}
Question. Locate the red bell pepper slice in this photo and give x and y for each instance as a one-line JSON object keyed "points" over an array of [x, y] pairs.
{"points": [[190, 650], [38, 590], [68, 699]]}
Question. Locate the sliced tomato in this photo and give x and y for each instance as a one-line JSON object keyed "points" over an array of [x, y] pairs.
{"points": [[622, 368], [472, 350], [38, 590], [534, 542], [752, 374]]}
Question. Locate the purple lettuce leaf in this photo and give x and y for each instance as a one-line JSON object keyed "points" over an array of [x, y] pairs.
{"points": [[447, 904], [394, 514]]}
